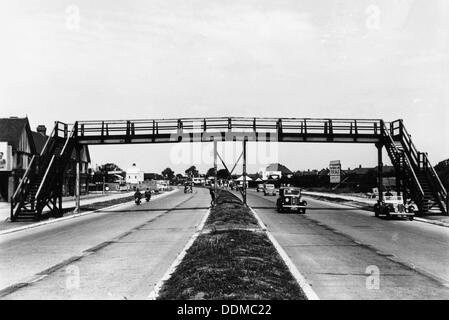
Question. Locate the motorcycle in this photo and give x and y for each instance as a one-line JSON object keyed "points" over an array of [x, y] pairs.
{"points": [[137, 200], [147, 198]]}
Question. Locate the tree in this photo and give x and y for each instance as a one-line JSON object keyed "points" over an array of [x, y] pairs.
{"points": [[222, 174], [442, 169], [101, 174], [192, 172], [109, 167], [168, 173], [210, 172]]}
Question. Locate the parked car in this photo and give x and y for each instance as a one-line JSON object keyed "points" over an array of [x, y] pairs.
{"points": [[259, 187], [269, 189], [393, 204], [290, 200]]}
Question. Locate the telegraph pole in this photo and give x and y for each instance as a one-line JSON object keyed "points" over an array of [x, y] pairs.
{"points": [[244, 171]]}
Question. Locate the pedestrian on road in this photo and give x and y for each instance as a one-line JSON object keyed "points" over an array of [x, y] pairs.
{"points": [[212, 196]]}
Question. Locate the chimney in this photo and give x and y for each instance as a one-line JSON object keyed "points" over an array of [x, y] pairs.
{"points": [[41, 129]]}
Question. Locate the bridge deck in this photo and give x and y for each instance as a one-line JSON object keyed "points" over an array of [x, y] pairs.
{"points": [[229, 129]]}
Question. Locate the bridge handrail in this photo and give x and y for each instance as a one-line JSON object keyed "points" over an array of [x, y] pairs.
{"points": [[313, 125], [226, 118]]}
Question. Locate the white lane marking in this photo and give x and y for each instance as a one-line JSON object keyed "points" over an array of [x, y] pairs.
{"points": [[155, 292], [300, 279], [38, 224]]}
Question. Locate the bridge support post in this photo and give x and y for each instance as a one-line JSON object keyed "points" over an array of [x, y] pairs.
{"points": [[77, 181], [379, 170], [244, 171]]}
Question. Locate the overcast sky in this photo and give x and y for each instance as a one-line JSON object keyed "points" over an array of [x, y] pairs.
{"points": [[103, 59]]}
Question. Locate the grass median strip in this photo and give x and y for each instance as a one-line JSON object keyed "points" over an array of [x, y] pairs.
{"points": [[228, 261]]}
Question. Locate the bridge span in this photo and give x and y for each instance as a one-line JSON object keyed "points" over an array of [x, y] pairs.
{"points": [[41, 185], [229, 129]]}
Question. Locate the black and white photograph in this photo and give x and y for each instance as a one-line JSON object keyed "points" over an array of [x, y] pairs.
{"points": [[224, 155]]}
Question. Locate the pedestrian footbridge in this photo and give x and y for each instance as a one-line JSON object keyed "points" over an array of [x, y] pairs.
{"points": [[41, 185]]}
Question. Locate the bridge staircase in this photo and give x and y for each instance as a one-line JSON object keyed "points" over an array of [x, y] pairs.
{"points": [[416, 173], [41, 185]]}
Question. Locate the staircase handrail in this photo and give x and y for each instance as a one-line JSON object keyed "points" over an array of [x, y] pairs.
{"points": [[408, 142], [434, 174], [421, 191], [25, 178], [71, 135], [44, 149], [441, 190], [407, 160], [52, 161], [53, 134], [45, 176]]}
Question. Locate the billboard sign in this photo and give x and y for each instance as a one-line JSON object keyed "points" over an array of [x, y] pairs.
{"points": [[334, 171], [5, 156]]}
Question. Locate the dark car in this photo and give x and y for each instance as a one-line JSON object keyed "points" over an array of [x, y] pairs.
{"points": [[269, 189], [290, 200]]}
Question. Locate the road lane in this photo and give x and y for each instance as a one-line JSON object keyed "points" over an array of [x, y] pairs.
{"points": [[29, 252], [335, 245]]}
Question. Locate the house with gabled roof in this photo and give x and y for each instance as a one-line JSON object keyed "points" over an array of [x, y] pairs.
{"points": [[16, 140], [18, 144]]}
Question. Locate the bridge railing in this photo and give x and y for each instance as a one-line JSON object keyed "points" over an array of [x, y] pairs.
{"points": [[241, 124]]}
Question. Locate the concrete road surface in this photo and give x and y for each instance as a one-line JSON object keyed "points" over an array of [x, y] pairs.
{"points": [[340, 250], [345, 253], [117, 254]]}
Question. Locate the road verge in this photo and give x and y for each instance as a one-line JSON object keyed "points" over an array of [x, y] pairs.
{"points": [[232, 257]]}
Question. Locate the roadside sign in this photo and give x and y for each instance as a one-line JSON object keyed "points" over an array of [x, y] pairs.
{"points": [[5, 156], [389, 182], [334, 171]]}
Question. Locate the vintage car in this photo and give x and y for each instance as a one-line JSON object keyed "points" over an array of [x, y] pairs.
{"points": [[259, 187], [269, 189], [393, 205], [290, 200]]}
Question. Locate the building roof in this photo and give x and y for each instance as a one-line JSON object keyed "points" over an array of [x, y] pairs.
{"points": [[39, 141], [11, 130], [361, 171], [152, 176], [278, 167]]}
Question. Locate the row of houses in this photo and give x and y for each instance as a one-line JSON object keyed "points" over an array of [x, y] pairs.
{"points": [[18, 144]]}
